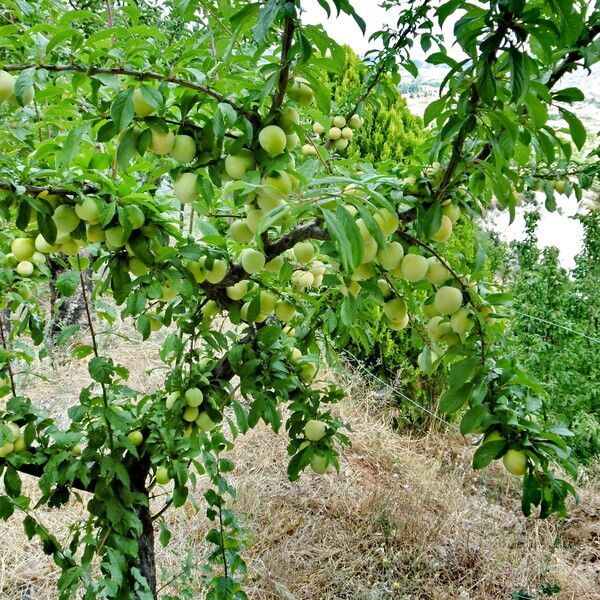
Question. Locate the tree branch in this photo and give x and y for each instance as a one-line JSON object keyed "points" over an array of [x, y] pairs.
{"points": [[36, 190], [284, 70], [142, 75]]}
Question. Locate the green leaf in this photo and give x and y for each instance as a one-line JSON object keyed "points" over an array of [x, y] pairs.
{"points": [[454, 399], [488, 452], [576, 128], [473, 418], [462, 371], [71, 146], [101, 369], [121, 109], [67, 283], [23, 85], [518, 77]]}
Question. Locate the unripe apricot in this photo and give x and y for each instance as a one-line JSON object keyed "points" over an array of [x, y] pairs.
{"points": [[309, 150], [438, 327], [445, 230], [161, 142], [267, 302], [277, 185], [115, 236], [70, 247], [135, 438], [273, 140], [252, 260], [461, 321], [318, 464], [190, 414], [304, 252], [253, 218], [41, 245], [338, 121], [307, 372], [355, 121], [140, 106], [302, 279], [237, 165], [88, 211], [388, 222], [347, 133], [24, 268], [7, 85], [318, 128], [137, 267], [515, 462], [6, 449], [168, 292], [437, 273], [314, 430], [22, 248], [204, 422], [184, 148], [218, 271], [284, 311], [335, 133], [135, 215], [414, 267], [185, 189], [399, 324], [363, 272], [210, 309], [289, 119], [194, 397], [390, 257], [396, 309], [274, 264], [240, 232], [238, 290], [162, 476], [65, 218], [172, 397], [293, 139], [369, 250], [452, 211], [300, 92], [341, 144], [448, 300]]}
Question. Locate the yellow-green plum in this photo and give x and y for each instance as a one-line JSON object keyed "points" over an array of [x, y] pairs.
{"points": [[162, 476], [25, 268], [304, 252], [318, 128], [289, 119], [390, 257], [23, 248], [65, 218], [461, 321], [273, 140], [184, 148], [448, 300], [210, 309], [141, 107], [515, 462], [396, 309], [41, 245], [445, 231], [137, 267], [190, 414], [194, 396], [185, 189], [88, 211], [314, 430], [300, 92], [115, 236], [452, 211], [414, 267], [334, 133], [135, 215], [237, 165], [7, 85], [204, 422], [238, 290], [347, 133], [95, 233], [218, 271], [437, 273], [161, 142], [252, 261], [318, 463], [240, 232], [135, 438], [285, 311]]}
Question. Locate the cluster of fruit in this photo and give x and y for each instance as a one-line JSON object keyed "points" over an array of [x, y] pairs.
{"points": [[16, 443], [338, 135]]}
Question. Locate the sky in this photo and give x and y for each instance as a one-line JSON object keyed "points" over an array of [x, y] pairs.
{"points": [[555, 229]]}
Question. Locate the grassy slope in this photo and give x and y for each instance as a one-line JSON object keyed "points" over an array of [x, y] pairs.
{"points": [[406, 518]]}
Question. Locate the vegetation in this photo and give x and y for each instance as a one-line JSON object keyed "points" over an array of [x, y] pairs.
{"points": [[219, 201]]}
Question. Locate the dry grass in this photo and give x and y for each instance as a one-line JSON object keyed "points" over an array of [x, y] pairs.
{"points": [[406, 518]]}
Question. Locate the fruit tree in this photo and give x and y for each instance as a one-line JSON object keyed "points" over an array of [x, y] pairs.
{"points": [[190, 156]]}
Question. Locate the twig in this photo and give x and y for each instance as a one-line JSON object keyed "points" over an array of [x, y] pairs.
{"points": [[284, 70], [8, 366]]}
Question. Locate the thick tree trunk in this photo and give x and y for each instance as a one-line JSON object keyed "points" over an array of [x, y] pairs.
{"points": [[146, 562]]}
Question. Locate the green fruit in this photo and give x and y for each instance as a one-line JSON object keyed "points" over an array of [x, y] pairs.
{"points": [[204, 422], [277, 185], [273, 140], [300, 92], [414, 267], [304, 252], [307, 372], [24, 292], [185, 188], [335, 133], [388, 222], [253, 219], [289, 119], [137, 267], [190, 414], [155, 323], [293, 139], [318, 464], [19, 444], [184, 149], [135, 438], [338, 121], [238, 290], [69, 247], [65, 218], [347, 133], [25, 268], [515, 462], [218, 271], [88, 211], [162, 476], [445, 230], [161, 142], [340, 144], [437, 273], [315, 430], [275, 264], [284, 311], [461, 321], [168, 292], [396, 309], [399, 324], [252, 260], [41, 245], [309, 150], [210, 309], [355, 121], [23, 248], [115, 236], [194, 397], [172, 397], [390, 257], [140, 106], [135, 215], [318, 128], [237, 165], [452, 211], [448, 300], [38, 259], [493, 436], [6, 449], [240, 232], [95, 233], [7, 85], [302, 279]]}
